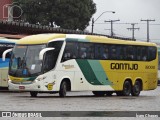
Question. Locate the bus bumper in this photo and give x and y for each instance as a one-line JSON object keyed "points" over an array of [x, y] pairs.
{"points": [[35, 86]]}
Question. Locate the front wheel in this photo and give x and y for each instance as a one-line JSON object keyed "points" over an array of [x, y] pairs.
{"points": [[136, 89], [63, 89], [33, 94]]}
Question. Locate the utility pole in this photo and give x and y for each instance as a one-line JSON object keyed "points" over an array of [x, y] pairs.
{"points": [[148, 20], [92, 24], [93, 21], [133, 29], [112, 21]]}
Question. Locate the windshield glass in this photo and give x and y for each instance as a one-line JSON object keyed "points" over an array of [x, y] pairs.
{"points": [[25, 61]]}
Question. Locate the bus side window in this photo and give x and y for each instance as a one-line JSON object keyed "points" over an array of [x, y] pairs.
{"points": [[70, 52], [83, 53], [91, 51], [130, 53], [123, 52], [98, 51], [113, 53], [152, 53], [138, 53], [144, 53], [105, 53]]}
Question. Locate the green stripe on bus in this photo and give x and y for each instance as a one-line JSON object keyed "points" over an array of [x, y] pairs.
{"points": [[93, 72], [99, 72], [88, 72]]}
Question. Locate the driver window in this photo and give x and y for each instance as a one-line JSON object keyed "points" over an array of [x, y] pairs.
{"points": [[50, 61], [52, 55]]}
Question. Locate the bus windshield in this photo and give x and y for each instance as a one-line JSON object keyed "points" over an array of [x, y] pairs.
{"points": [[3, 47], [25, 61]]}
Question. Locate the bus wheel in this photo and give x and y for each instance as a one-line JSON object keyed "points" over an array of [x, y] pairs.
{"points": [[136, 89], [63, 89], [126, 88], [109, 93], [33, 94], [98, 93]]}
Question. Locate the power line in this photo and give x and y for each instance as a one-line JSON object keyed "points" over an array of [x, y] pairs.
{"points": [[128, 23]]}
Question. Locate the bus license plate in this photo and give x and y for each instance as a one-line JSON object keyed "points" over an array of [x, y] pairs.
{"points": [[21, 87]]}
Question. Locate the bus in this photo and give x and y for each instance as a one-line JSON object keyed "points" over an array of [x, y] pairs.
{"points": [[4, 45], [58, 63]]}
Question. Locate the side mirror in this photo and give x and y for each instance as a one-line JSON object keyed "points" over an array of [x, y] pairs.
{"points": [[43, 51], [5, 53]]}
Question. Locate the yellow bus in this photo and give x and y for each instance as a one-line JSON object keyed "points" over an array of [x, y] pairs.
{"points": [[57, 63]]}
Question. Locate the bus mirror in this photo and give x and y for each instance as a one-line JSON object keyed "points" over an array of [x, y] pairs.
{"points": [[5, 53], [43, 51]]}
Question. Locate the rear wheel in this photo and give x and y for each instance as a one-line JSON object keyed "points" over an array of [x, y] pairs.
{"points": [[126, 89], [33, 94], [63, 89], [136, 89]]}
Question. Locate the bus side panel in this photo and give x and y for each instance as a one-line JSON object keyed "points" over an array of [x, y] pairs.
{"points": [[119, 71], [87, 75], [95, 77], [152, 81]]}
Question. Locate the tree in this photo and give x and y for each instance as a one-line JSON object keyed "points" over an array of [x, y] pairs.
{"points": [[68, 14]]}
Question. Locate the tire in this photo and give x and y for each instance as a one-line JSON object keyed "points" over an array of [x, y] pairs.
{"points": [[126, 89], [63, 89], [98, 93], [33, 94], [136, 89]]}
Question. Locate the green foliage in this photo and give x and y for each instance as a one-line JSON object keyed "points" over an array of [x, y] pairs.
{"points": [[68, 14]]}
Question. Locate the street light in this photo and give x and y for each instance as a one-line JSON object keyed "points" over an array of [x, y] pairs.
{"points": [[93, 21]]}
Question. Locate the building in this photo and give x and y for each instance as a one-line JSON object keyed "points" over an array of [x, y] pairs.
{"points": [[4, 8]]}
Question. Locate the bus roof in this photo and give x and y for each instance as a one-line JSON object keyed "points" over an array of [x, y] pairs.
{"points": [[45, 38], [40, 38]]}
